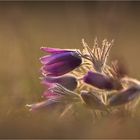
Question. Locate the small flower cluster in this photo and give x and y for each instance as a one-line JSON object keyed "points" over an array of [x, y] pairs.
{"points": [[84, 76]]}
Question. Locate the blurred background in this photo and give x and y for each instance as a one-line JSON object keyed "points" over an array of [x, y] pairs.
{"points": [[26, 26]]}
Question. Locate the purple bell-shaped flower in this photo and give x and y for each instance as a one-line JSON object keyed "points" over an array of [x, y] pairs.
{"points": [[101, 81], [60, 61], [124, 96], [92, 100], [67, 81]]}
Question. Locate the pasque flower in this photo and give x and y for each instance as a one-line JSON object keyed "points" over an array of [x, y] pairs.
{"points": [[124, 96], [55, 96], [67, 81], [101, 81], [47, 105], [86, 67], [92, 100], [59, 61], [52, 100]]}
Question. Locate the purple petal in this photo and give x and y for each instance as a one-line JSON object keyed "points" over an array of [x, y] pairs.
{"points": [[56, 69], [62, 67], [67, 56], [54, 50], [45, 59], [50, 95]]}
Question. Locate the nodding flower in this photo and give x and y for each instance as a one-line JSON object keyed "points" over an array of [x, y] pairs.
{"points": [[100, 81], [124, 96], [92, 100], [55, 96], [52, 101], [47, 105], [67, 81], [60, 61]]}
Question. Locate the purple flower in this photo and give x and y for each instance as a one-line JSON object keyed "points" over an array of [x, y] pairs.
{"points": [[60, 61], [98, 80], [92, 100], [67, 81], [55, 96], [52, 101], [124, 96], [47, 104]]}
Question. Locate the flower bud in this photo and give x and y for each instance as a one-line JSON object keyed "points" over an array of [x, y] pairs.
{"points": [[98, 80], [67, 81], [124, 96], [92, 100]]}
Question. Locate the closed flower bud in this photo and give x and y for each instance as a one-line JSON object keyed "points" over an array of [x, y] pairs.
{"points": [[92, 100], [67, 81], [124, 96], [47, 104], [98, 80]]}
